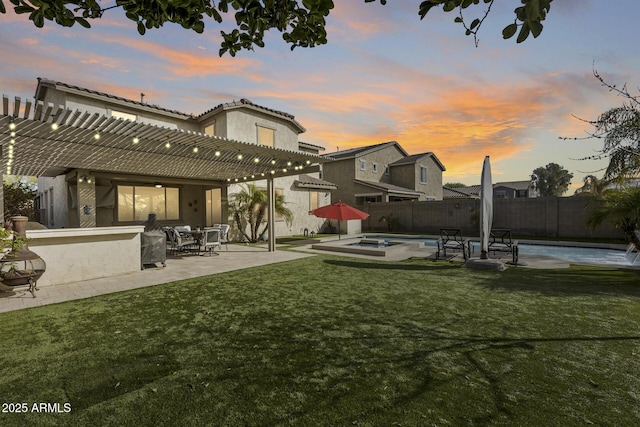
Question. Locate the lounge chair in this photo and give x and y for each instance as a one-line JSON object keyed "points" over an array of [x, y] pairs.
{"points": [[451, 239], [500, 241], [633, 247]]}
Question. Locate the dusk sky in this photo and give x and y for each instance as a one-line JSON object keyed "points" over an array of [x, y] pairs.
{"points": [[384, 75]]}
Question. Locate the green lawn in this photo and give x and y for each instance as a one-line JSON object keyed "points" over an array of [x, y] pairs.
{"points": [[336, 341]]}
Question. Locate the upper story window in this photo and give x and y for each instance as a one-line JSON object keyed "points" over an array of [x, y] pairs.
{"points": [[501, 194], [266, 136], [122, 115], [374, 167], [210, 129], [386, 169], [423, 175], [363, 165], [314, 200]]}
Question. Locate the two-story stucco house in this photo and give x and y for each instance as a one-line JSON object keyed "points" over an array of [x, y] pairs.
{"points": [[204, 160], [383, 173]]}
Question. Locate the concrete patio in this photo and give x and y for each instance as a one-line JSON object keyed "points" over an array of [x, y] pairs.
{"points": [[237, 257]]}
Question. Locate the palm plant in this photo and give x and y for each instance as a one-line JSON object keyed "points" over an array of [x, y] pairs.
{"points": [[248, 207], [593, 186], [621, 207]]}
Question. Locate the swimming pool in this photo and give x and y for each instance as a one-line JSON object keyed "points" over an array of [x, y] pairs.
{"points": [[573, 254]]}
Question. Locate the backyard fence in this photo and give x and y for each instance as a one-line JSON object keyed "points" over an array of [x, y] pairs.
{"points": [[562, 217]]}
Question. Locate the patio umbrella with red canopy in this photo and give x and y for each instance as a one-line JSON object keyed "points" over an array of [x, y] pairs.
{"points": [[339, 211]]}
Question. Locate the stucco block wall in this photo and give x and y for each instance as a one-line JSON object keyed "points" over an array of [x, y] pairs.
{"points": [[79, 254], [543, 217]]}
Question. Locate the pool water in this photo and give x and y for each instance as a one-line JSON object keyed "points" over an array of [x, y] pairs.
{"points": [[567, 253]]}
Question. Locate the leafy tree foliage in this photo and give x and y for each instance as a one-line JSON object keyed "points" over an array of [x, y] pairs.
{"points": [[454, 185], [302, 24], [528, 16], [619, 129], [593, 186], [249, 207], [551, 180], [18, 199]]}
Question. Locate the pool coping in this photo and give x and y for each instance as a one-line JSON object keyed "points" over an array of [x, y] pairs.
{"points": [[337, 246]]}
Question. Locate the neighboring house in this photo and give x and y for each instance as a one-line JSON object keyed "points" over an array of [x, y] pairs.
{"points": [[185, 194], [460, 193], [383, 173], [501, 190]]}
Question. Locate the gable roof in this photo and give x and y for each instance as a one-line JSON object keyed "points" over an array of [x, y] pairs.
{"points": [[352, 153], [414, 158]]}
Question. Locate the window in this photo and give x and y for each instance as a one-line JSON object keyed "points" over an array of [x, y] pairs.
{"points": [[501, 194], [423, 175], [386, 169], [266, 136], [121, 115], [374, 167], [363, 165], [135, 203], [314, 198], [210, 129]]}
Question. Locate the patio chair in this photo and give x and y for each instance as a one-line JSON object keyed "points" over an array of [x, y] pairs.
{"points": [[500, 241], [183, 228], [210, 239], [170, 239], [451, 239], [182, 241]]}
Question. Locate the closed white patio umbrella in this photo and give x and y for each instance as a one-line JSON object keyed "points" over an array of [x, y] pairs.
{"points": [[486, 208]]}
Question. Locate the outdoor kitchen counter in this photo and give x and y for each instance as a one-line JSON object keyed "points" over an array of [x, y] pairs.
{"points": [[76, 254]]}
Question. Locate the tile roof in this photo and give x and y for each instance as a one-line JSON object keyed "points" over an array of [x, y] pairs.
{"points": [[415, 157], [359, 151], [388, 187], [455, 193], [243, 102], [306, 181], [515, 185], [311, 146], [42, 82]]}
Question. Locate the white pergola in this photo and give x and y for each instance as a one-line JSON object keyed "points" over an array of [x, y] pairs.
{"points": [[40, 140]]}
